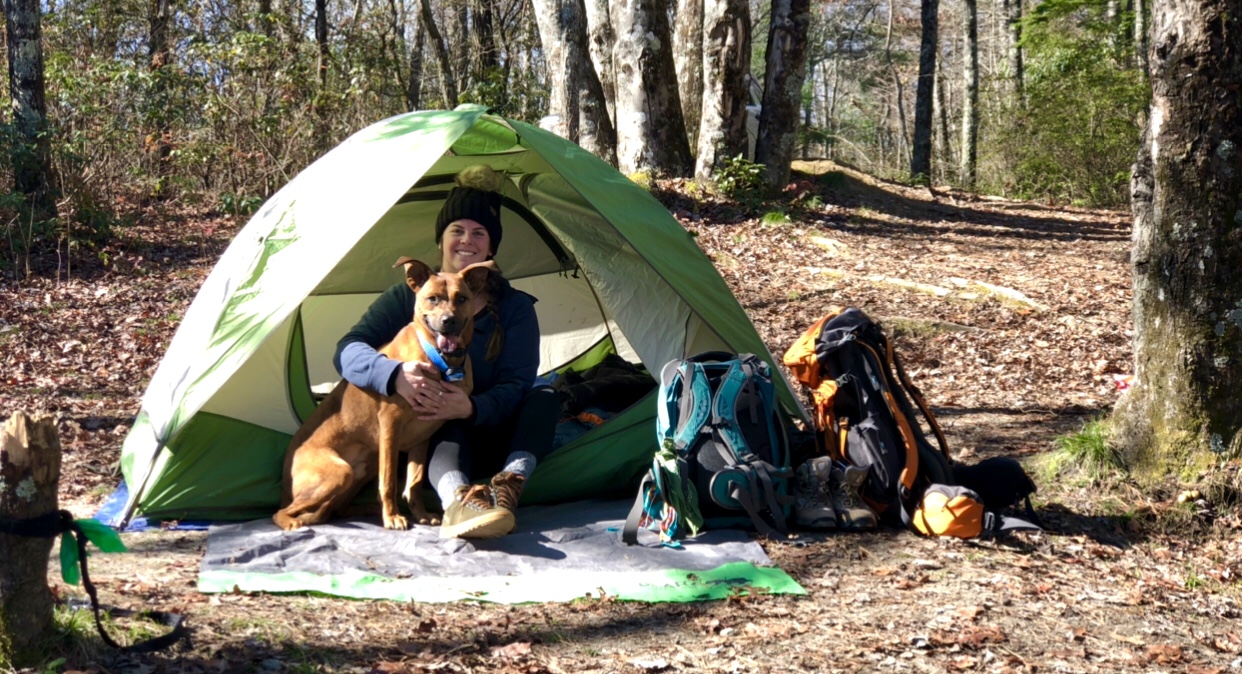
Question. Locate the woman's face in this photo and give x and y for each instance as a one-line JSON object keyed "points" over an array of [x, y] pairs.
{"points": [[464, 243]]}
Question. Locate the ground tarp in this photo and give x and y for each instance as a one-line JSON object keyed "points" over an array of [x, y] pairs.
{"points": [[558, 553]]}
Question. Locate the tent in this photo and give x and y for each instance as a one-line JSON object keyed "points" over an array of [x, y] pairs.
{"points": [[613, 271]]}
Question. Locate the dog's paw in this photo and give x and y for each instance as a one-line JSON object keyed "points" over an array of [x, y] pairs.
{"points": [[396, 522]]}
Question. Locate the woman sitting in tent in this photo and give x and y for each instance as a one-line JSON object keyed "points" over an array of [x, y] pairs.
{"points": [[503, 427]]}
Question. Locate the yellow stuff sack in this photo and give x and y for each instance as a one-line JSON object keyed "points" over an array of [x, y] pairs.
{"points": [[959, 512], [950, 511]]}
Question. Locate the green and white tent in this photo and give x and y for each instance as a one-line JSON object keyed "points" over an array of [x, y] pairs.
{"points": [[612, 269]]}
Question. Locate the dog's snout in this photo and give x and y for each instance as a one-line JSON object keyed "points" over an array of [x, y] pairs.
{"points": [[451, 325]]}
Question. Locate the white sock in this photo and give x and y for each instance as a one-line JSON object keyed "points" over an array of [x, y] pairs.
{"points": [[446, 488], [522, 463]]}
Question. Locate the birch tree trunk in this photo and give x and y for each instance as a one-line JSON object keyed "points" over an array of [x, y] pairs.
{"points": [[970, 102], [1184, 413], [602, 40], [29, 476], [651, 134], [726, 63], [920, 156], [782, 89], [577, 97], [688, 58], [31, 156]]}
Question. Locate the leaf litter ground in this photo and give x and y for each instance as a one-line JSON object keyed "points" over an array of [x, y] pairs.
{"points": [[1013, 318]]}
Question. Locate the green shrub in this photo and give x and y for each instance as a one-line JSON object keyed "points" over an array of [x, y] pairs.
{"points": [[741, 180]]}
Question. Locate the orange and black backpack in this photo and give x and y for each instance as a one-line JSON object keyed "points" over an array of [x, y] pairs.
{"points": [[866, 413]]}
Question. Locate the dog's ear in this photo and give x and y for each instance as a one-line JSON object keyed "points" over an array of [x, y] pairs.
{"points": [[416, 272], [476, 274]]}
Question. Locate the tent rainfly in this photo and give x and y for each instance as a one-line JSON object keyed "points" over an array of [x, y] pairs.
{"points": [[613, 272]]}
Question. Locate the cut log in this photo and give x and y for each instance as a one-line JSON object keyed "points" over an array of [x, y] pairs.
{"points": [[29, 475]]}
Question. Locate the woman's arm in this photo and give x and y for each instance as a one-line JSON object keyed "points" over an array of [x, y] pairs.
{"points": [[357, 357]]}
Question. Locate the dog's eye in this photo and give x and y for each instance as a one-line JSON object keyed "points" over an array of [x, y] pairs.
{"points": [[460, 299], [433, 300]]}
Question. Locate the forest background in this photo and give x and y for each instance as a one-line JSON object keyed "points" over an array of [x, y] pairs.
{"points": [[219, 104]]}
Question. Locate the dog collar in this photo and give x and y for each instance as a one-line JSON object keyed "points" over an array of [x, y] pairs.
{"points": [[453, 374]]}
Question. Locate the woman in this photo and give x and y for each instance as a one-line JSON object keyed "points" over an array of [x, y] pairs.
{"points": [[503, 426]]}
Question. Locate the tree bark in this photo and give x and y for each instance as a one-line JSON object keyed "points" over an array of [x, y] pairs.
{"points": [[577, 98], [920, 156], [321, 40], [651, 134], [970, 102], [29, 476], [31, 155], [159, 17], [688, 58], [448, 85], [1184, 413], [782, 90], [602, 41], [726, 64]]}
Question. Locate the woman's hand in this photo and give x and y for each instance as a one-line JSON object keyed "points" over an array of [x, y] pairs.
{"points": [[431, 399]]}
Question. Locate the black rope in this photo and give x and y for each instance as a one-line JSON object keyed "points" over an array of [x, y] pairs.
{"points": [[60, 522]]}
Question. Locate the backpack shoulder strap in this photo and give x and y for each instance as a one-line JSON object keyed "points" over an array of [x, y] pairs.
{"points": [[684, 407]]}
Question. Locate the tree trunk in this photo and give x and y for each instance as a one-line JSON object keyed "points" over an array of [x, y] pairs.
{"points": [[920, 157], [31, 154], [892, 70], [651, 134], [483, 35], [688, 57], [448, 85], [159, 16], [1184, 413], [321, 40], [265, 18], [1013, 29], [1140, 35], [29, 475], [726, 64], [577, 99], [970, 102], [782, 90], [413, 74], [603, 41]]}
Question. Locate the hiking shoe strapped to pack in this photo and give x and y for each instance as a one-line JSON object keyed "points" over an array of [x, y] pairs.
{"points": [[813, 502], [844, 484], [507, 490], [474, 514]]}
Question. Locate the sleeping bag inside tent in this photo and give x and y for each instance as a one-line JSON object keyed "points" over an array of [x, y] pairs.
{"points": [[613, 272]]}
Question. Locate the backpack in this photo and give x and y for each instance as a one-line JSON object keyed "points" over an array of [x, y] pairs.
{"points": [[866, 414], [723, 458]]}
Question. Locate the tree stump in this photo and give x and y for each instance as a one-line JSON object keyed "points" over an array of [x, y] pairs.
{"points": [[29, 476]]}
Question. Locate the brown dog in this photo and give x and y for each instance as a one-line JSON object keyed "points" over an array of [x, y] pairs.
{"points": [[355, 435]]}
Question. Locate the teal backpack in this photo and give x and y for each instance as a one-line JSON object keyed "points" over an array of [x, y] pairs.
{"points": [[723, 457]]}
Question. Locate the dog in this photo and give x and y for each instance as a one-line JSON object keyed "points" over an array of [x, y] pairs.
{"points": [[356, 435]]}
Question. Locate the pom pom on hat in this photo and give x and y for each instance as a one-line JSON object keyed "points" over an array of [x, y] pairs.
{"points": [[476, 197]]}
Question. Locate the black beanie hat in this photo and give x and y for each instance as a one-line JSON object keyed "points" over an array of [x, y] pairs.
{"points": [[475, 198]]}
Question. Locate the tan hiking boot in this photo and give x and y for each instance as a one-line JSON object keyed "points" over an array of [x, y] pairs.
{"points": [[507, 490], [473, 514], [845, 483]]}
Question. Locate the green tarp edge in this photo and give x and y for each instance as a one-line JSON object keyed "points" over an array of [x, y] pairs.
{"points": [[668, 585]]}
